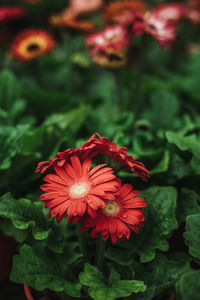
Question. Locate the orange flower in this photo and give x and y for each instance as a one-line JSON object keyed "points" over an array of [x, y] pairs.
{"points": [[31, 44], [64, 21], [124, 12], [76, 188], [194, 4], [110, 58]]}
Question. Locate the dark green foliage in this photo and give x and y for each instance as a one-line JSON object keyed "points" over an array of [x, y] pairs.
{"points": [[192, 235], [33, 268], [188, 287], [152, 107], [114, 288]]}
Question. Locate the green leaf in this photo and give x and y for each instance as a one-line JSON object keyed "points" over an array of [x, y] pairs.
{"points": [[187, 204], [192, 234], [9, 89], [40, 268], [72, 120], [195, 165], [117, 255], [114, 289], [9, 230], [184, 143], [162, 102], [147, 295], [161, 220], [9, 137], [162, 272], [178, 168], [188, 287], [32, 140], [162, 165], [23, 214]]}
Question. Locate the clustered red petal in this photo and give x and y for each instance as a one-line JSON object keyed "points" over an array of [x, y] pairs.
{"points": [[74, 188], [118, 217], [124, 12], [101, 146], [163, 21], [108, 46], [98, 147], [93, 196]]}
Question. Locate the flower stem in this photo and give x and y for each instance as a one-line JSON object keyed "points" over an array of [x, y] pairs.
{"points": [[137, 100], [81, 241], [100, 253]]}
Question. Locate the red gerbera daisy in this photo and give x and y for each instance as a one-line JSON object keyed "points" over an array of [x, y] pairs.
{"points": [[96, 147], [74, 188], [117, 216], [12, 13], [101, 146]]}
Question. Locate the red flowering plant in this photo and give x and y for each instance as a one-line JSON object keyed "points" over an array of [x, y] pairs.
{"points": [[83, 194], [99, 156], [83, 186]]}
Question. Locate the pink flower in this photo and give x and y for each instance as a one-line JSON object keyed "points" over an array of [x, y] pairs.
{"points": [[111, 38], [163, 21]]}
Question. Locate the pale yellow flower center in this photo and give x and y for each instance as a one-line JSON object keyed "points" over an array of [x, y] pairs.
{"points": [[79, 190], [111, 209]]}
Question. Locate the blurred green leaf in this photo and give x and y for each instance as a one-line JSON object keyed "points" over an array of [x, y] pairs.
{"points": [[72, 120], [9, 137], [191, 142], [9, 89], [30, 141], [163, 164], [163, 111]]}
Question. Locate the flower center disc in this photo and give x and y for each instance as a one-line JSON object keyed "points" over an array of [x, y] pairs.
{"points": [[111, 209], [78, 190], [33, 48]]}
